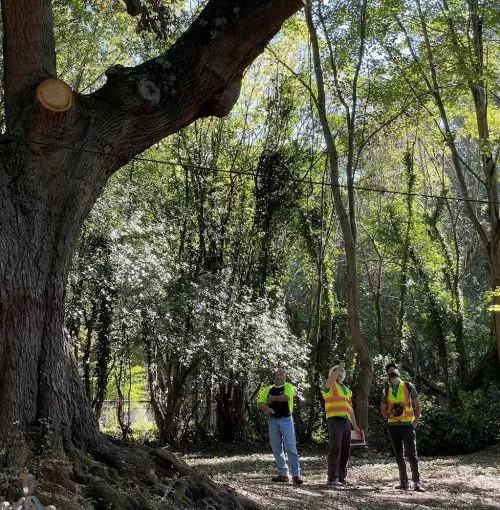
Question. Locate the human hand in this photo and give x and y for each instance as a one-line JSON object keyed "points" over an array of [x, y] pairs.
{"points": [[415, 424]]}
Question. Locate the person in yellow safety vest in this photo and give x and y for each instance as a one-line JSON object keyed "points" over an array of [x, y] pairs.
{"points": [[340, 419], [401, 407], [276, 400]]}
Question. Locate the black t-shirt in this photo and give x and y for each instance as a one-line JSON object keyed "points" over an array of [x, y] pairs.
{"points": [[281, 409]]}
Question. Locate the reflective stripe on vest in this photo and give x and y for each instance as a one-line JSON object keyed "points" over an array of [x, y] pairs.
{"points": [[404, 398], [336, 403]]}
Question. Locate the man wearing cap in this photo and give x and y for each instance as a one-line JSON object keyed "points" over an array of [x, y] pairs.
{"points": [[401, 407], [276, 401], [340, 419]]}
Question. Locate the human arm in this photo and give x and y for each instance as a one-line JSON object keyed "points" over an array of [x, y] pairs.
{"points": [[417, 410], [288, 395], [353, 421], [385, 411], [384, 408], [415, 402], [266, 409], [278, 398], [262, 402]]}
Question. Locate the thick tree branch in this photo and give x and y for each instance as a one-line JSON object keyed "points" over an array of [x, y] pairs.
{"points": [[134, 7], [28, 52], [425, 380], [198, 76]]}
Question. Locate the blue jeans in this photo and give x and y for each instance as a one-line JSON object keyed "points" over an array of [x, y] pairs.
{"points": [[282, 434]]}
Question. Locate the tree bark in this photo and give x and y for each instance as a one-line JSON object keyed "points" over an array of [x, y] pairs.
{"points": [[53, 167], [38, 374]]}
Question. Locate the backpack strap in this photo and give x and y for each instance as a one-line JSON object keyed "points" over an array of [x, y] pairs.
{"points": [[386, 390]]}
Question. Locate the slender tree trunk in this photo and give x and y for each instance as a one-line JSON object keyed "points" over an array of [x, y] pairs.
{"points": [[408, 162], [230, 417], [348, 232], [376, 290], [378, 306], [495, 285], [437, 315], [320, 335], [122, 404]]}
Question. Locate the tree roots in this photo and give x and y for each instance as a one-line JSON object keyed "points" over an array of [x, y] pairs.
{"points": [[118, 476]]}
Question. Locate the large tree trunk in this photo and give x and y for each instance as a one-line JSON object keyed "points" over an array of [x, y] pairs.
{"points": [[54, 167], [39, 220]]}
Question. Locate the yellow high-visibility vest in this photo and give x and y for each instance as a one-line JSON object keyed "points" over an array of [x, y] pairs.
{"points": [[403, 396], [337, 402]]}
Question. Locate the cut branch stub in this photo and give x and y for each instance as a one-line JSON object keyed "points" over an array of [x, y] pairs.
{"points": [[55, 95]]}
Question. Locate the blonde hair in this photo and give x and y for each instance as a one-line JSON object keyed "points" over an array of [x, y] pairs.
{"points": [[335, 367]]}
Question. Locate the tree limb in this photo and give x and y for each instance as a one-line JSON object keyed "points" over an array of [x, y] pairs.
{"points": [[28, 52], [198, 76], [430, 384]]}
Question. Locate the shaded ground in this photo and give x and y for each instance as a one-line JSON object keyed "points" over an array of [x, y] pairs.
{"points": [[471, 482]]}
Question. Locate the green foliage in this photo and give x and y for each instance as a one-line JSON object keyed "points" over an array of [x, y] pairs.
{"points": [[472, 424], [137, 409], [138, 386], [221, 257]]}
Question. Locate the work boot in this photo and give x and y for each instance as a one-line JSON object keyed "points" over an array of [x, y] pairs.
{"points": [[335, 483], [280, 479], [297, 480], [403, 486]]}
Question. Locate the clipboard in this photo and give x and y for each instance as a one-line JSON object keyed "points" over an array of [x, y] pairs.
{"points": [[358, 438]]}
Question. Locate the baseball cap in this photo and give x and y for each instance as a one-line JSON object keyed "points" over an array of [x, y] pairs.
{"points": [[392, 366]]}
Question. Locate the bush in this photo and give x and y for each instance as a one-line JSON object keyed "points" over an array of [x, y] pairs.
{"points": [[470, 426]]}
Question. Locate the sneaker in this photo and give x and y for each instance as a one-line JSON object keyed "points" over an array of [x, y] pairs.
{"points": [[335, 483], [297, 480], [280, 479], [417, 487], [403, 486]]}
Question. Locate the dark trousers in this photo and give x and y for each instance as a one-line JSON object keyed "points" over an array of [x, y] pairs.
{"points": [[339, 447], [404, 442]]}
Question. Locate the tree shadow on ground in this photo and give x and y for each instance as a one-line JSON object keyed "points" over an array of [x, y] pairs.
{"points": [[469, 481]]}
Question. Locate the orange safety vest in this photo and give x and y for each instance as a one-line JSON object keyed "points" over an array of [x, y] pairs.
{"points": [[403, 396], [338, 403]]}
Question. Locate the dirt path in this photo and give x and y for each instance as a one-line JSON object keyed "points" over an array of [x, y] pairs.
{"points": [[467, 482]]}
